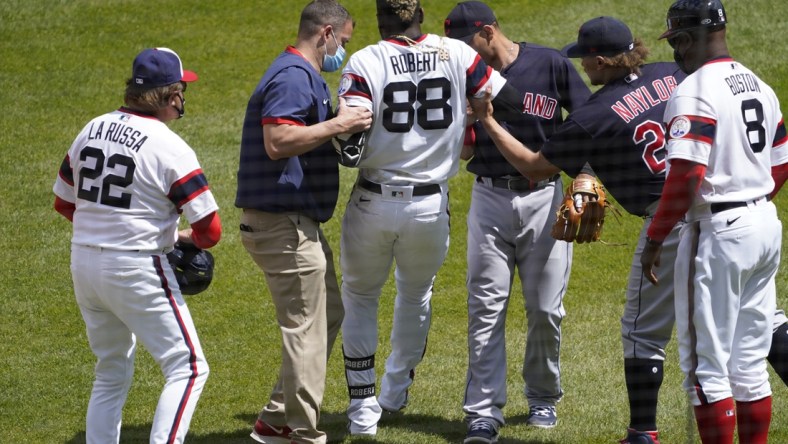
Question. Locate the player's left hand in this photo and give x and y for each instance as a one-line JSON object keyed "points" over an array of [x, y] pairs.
{"points": [[650, 259]]}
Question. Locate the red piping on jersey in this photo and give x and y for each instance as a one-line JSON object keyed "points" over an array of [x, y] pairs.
{"points": [[697, 126], [361, 89], [402, 42], [280, 121], [184, 180], [484, 79], [681, 185], [187, 339], [694, 235]]}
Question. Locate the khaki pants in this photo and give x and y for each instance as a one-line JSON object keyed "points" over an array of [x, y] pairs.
{"points": [[299, 269]]}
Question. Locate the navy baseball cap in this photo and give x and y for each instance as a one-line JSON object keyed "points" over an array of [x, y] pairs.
{"points": [[466, 19], [602, 36], [155, 67]]}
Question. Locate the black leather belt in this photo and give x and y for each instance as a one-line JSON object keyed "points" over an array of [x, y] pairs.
{"points": [[718, 207], [418, 190], [518, 184]]}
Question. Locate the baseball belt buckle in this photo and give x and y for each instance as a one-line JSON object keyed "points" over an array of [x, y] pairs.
{"points": [[397, 193]]}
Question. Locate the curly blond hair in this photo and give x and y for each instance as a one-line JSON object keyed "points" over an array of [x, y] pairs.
{"points": [[631, 60], [150, 100]]}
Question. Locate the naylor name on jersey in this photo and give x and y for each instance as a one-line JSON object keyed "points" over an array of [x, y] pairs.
{"points": [[414, 62], [644, 98], [118, 133]]}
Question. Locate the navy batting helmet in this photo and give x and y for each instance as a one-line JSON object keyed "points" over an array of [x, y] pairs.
{"points": [[193, 268], [688, 15]]}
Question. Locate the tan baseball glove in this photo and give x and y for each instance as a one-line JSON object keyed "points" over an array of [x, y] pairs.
{"points": [[582, 215]]}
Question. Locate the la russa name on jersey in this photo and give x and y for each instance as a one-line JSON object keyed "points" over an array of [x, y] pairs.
{"points": [[117, 133], [644, 98]]}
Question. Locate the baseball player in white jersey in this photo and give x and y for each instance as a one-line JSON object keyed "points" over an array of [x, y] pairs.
{"points": [[123, 184], [726, 140], [416, 86]]}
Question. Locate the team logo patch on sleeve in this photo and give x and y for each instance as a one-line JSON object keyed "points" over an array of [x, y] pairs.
{"points": [[679, 127], [344, 84]]}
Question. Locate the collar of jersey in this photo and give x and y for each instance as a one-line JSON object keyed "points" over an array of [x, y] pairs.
{"points": [[402, 42], [720, 59], [125, 110]]}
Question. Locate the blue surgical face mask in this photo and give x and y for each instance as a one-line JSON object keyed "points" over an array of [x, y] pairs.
{"points": [[334, 62]]}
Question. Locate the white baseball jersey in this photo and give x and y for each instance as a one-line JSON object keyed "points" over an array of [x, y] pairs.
{"points": [[130, 177], [738, 157], [417, 92], [723, 116]]}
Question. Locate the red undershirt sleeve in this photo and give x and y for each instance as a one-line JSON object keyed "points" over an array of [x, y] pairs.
{"points": [[779, 174], [681, 185], [65, 208], [207, 231], [470, 136]]}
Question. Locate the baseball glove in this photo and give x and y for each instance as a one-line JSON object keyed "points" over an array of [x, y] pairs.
{"points": [[350, 147], [193, 267], [582, 215]]}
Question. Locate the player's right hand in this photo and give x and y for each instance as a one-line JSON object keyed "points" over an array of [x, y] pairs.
{"points": [[352, 119], [482, 106], [649, 259]]}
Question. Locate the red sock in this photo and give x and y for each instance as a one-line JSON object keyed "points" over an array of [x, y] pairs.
{"points": [[754, 418], [716, 422]]}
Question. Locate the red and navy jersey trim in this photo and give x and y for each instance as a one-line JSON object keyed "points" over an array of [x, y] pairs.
{"points": [[358, 87], [477, 76], [702, 129], [780, 136], [66, 172], [187, 188], [281, 121]]}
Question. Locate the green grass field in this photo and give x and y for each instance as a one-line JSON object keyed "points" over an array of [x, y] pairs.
{"points": [[64, 62]]}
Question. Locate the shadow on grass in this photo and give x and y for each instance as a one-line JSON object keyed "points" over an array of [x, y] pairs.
{"points": [[334, 424]]}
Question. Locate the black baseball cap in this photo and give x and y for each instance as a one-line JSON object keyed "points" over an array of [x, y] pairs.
{"points": [[466, 19], [154, 67], [601, 36]]}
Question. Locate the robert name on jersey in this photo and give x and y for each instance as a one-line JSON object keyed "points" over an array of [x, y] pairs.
{"points": [[414, 62], [118, 133]]}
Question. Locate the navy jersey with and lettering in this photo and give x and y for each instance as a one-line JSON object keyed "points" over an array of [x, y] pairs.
{"points": [[620, 133], [549, 83]]}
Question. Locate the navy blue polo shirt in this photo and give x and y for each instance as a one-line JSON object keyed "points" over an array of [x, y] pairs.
{"points": [[290, 92]]}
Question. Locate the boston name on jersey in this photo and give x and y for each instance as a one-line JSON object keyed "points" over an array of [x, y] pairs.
{"points": [[644, 98], [414, 62], [118, 133], [739, 83]]}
